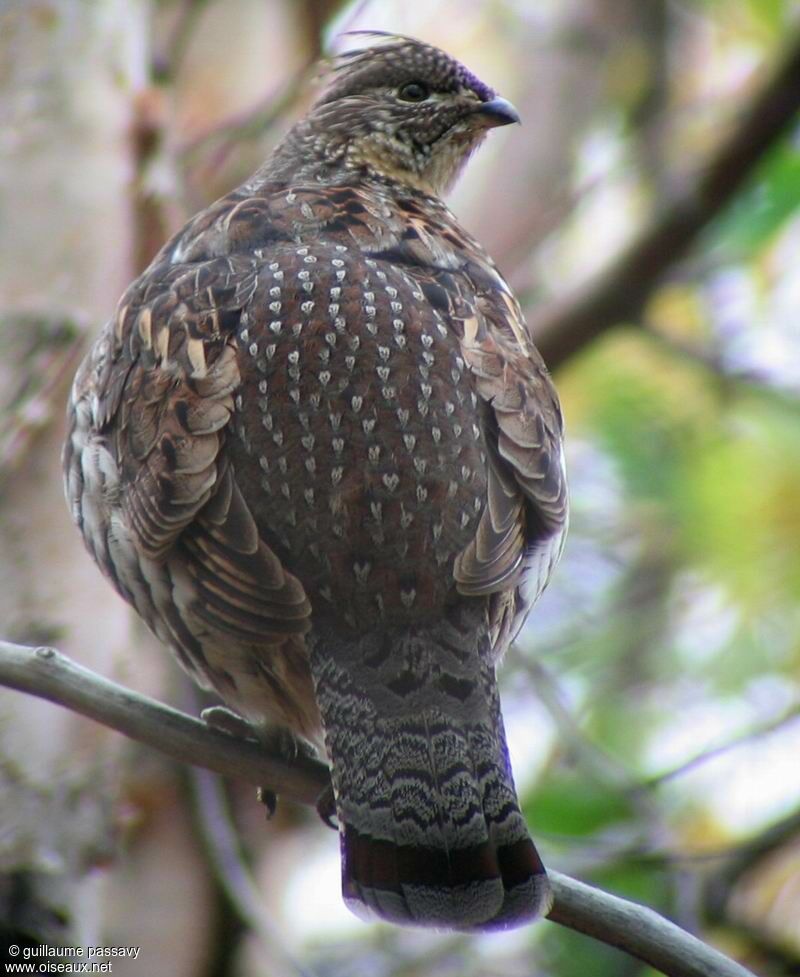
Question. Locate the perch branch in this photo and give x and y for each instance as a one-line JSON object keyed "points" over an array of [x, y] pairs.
{"points": [[45, 673], [637, 930], [619, 293]]}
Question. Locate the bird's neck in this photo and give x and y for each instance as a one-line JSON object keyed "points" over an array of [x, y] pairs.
{"points": [[302, 158]]}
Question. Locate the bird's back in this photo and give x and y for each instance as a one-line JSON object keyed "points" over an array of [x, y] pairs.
{"points": [[358, 433]]}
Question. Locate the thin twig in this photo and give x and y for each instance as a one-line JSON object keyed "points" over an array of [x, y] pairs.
{"points": [[737, 380], [46, 673], [601, 766], [167, 62], [606, 849], [619, 293], [705, 756], [232, 871], [40, 355], [720, 886], [255, 121], [251, 123]]}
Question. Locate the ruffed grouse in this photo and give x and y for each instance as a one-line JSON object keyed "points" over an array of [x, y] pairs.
{"points": [[317, 451]]}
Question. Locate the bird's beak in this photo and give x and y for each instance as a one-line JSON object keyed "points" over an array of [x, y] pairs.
{"points": [[497, 112]]}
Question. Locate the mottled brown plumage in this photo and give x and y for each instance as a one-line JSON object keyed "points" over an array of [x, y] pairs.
{"points": [[318, 452]]}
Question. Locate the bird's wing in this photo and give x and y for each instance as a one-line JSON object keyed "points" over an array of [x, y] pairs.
{"points": [[520, 535], [161, 392], [522, 527], [521, 531]]}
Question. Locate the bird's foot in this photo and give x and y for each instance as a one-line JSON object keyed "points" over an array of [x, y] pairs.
{"points": [[269, 799], [282, 744], [278, 742], [225, 720], [326, 807]]}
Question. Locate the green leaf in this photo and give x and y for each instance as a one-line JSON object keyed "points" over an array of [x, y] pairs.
{"points": [[570, 803], [771, 197], [636, 880], [573, 955], [770, 14], [737, 505]]}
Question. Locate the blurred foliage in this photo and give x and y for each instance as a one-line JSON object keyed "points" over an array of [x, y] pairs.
{"points": [[671, 633], [699, 640], [763, 208]]}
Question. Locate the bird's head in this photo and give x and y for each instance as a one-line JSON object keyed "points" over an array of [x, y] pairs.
{"points": [[402, 110]]}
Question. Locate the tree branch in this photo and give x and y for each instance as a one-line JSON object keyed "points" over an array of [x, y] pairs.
{"points": [[713, 752], [619, 293], [40, 354], [637, 930], [45, 673]]}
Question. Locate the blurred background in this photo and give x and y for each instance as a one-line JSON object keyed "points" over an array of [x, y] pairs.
{"points": [[653, 700]]}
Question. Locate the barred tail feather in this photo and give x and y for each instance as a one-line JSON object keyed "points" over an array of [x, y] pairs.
{"points": [[431, 830], [484, 887]]}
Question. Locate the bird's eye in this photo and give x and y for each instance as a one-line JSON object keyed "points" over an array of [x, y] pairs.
{"points": [[414, 91]]}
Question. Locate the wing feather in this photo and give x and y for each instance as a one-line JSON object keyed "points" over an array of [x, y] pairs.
{"points": [[521, 531], [165, 407]]}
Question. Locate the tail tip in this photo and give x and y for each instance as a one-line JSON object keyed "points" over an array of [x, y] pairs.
{"points": [[479, 890]]}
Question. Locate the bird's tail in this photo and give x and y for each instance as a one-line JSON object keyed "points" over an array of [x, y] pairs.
{"points": [[430, 826]]}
